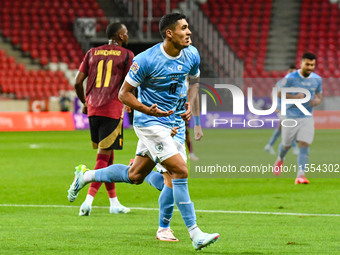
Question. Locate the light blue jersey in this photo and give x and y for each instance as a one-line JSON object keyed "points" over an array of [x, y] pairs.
{"points": [[180, 109], [160, 79], [313, 83]]}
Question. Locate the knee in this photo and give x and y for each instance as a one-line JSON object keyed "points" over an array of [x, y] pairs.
{"points": [[303, 144], [185, 174], [137, 182], [136, 178], [181, 173]]}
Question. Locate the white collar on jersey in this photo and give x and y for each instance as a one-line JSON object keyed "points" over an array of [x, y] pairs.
{"points": [[299, 72], [167, 55]]}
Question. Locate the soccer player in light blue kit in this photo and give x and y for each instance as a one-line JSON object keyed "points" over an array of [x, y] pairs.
{"points": [[277, 131], [303, 132], [159, 73], [166, 199]]}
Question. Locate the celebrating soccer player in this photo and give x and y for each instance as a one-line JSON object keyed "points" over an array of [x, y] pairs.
{"points": [[159, 73], [163, 182]]}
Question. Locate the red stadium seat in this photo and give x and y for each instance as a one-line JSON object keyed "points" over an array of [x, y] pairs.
{"points": [[43, 61], [73, 66], [6, 32], [100, 13], [242, 28]]}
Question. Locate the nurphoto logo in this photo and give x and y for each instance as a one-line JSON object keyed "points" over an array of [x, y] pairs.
{"points": [[238, 103]]}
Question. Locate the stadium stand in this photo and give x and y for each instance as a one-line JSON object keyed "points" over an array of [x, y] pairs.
{"points": [[46, 30], [43, 31], [158, 10], [16, 80], [245, 26], [319, 33]]}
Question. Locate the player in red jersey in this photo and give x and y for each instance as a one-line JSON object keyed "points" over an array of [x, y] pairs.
{"points": [[105, 67]]}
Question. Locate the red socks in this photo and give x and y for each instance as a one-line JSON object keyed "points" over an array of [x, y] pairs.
{"points": [[102, 161], [110, 187]]}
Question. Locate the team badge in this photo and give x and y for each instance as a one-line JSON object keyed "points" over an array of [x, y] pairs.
{"points": [[134, 67], [159, 146], [179, 67]]}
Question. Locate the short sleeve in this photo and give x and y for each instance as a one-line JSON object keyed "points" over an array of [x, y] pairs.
{"points": [[84, 66], [287, 81], [138, 70], [195, 71], [278, 85]]}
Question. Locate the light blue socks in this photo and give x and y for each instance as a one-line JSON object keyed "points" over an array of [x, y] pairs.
{"points": [[155, 179], [302, 160], [113, 173], [282, 152], [183, 202], [166, 207]]}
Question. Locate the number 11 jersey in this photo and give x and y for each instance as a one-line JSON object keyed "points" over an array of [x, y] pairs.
{"points": [[106, 66]]}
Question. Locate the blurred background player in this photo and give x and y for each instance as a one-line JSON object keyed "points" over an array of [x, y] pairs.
{"points": [[64, 102], [106, 67], [303, 132], [277, 132], [188, 142]]}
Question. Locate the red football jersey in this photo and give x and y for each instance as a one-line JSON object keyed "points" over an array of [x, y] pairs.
{"points": [[106, 67]]}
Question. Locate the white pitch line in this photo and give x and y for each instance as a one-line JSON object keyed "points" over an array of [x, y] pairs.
{"points": [[203, 211]]}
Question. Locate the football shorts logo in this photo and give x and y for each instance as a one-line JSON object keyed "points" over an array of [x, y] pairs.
{"points": [[180, 67], [159, 146], [134, 67]]}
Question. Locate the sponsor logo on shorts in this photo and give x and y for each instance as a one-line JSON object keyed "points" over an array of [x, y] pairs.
{"points": [[159, 146]]}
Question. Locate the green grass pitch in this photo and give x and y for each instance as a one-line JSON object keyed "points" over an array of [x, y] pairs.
{"points": [[37, 169]]}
